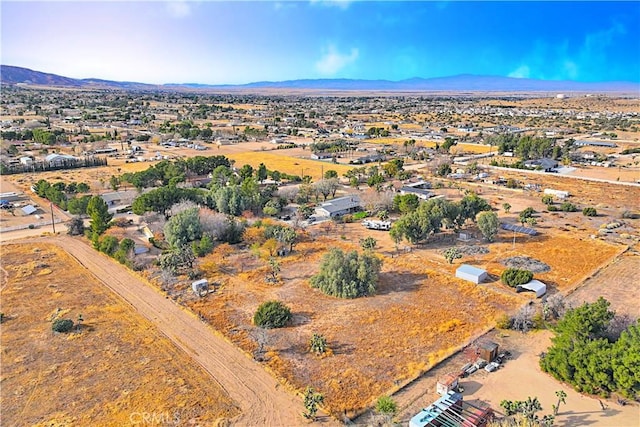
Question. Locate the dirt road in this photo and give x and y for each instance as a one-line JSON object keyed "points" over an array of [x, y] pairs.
{"points": [[262, 402]]}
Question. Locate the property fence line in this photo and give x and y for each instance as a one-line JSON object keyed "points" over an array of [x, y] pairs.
{"points": [[32, 225]]}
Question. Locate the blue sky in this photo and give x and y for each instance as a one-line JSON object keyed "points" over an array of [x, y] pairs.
{"points": [[239, 42]]}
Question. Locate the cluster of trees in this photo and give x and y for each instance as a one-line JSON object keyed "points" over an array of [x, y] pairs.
{"points": [[121, 251], [596, 351], [347, 275], [524, 146], [191, 233], [336, 146], [58, 192], [47, 137], [429, 217], [527, 410], [375, 132], [168, 171], [187, 129]]}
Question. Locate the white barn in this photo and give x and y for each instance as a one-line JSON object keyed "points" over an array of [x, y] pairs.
{"points": [[471, 273], [535, 286]]}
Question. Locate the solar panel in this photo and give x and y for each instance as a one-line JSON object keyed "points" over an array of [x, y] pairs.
{"points": [[518, 229]]}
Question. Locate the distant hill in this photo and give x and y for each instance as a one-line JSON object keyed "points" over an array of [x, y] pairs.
{"points": [[463, 83]]}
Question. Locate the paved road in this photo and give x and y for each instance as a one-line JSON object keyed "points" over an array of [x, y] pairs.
{"points": [[261, 401]]}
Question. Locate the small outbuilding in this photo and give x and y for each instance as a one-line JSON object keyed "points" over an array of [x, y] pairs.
{"points": [[447, 383], [200, 287], [488, 350], [471, 273], [29, 209], [534, 286]]}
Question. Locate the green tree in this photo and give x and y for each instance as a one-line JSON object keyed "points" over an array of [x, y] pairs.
{"points": [[568, 207], [562, 398], [78, 205], [98, 211], [368, 244], [589, 211], [347, 275], [62, 325], [452, 254], [582, 356], [488, 224], [525, 214], [406, 203], [514, 277], [204, 246], [261, 172], [246, 171], [444, 169], [311, 401], [114, 182], [547, 199], [272, 314], [318, 344], [108, 245], [183, 228], [330, 174], [506, 207], [625, 362]]}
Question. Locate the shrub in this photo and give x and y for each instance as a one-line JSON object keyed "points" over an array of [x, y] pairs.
{"points": [[272, 314], [504, 322], [386, 405], [514, 277], [108, 245], [318, 344], [552, 208], [62, 325], [360, 215], [589, 211], [568, 207]]}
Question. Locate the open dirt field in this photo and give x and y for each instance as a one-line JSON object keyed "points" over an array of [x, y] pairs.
{"points": [[118, 358], [418, 317], [618, 283]]}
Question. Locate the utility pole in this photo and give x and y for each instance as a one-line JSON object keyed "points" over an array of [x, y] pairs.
{"points": [[53, 221]]}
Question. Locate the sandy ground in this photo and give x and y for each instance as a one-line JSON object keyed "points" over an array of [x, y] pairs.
{"points": [[261, 400], [522, 377]]}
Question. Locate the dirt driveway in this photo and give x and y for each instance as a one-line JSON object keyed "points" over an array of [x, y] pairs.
{"points": [[257, 393]]}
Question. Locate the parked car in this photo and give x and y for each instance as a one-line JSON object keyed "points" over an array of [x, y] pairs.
{"points": [[480, 363], [470, 370], [492, 367]]}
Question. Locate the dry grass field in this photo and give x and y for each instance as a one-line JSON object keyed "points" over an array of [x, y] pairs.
{"points": [[419, 316], [111, 371], [286, 164]]}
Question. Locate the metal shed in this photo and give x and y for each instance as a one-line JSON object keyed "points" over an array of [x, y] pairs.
{"points": [[471, 273], [535, 286]]}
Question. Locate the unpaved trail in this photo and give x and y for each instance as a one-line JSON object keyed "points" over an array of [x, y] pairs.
{"points": [[256, 392]]}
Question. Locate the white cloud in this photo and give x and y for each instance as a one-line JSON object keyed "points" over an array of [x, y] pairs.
{"points": [[178, 8], [332, 61], [522, 72]]}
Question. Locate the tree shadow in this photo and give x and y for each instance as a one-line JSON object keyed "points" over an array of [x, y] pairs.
{"points": [[341, 348], [392, 282], [300, 318]]}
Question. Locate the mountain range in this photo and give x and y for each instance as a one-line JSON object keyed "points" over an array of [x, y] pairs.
{"points": [[12, 75]]}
